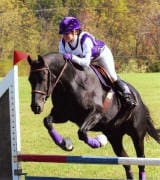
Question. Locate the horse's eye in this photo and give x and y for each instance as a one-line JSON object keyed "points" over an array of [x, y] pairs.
{"points": [[43, 76]]}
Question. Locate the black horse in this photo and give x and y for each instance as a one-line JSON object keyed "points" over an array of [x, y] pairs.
{"points": [[78, 96]]}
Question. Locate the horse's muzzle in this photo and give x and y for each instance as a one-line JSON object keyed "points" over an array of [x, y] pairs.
{"points": [[36, 109]]}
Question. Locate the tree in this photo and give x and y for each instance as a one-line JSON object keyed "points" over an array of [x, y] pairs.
{"points": [[18, 28], [131, 28]]}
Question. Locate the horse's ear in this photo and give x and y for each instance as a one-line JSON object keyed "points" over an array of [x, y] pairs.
{"points": [[41, 60], [29, 59]]}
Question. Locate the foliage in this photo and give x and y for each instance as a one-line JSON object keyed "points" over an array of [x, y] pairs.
{"points": [[154, 67], [18, 28], [133, 65], [130, 28]]}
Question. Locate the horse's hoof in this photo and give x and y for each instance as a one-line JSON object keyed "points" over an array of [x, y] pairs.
{"points": [[67, 144]]}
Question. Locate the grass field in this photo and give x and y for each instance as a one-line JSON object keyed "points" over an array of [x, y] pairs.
{"points": [[34, 137]]}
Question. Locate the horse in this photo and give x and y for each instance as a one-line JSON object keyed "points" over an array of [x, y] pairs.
{"points": [[78, 96]]}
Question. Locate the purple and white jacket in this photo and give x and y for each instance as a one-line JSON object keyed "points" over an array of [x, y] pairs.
{"points": [[83, 49]]}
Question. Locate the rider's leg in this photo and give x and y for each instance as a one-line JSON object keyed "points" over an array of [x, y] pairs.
{"points": [[125, 93], [106, 60]]}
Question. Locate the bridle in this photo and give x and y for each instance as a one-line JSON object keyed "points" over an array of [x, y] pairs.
{"points": [[49, 82]]}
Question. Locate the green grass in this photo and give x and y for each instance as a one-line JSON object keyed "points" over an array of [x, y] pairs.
{"points": [[34, 137]]}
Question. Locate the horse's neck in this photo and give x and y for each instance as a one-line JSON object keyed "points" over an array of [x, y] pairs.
{"points": [[55, 62]]}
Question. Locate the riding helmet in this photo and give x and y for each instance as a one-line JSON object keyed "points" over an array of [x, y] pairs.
{"points": [[68, 24]]}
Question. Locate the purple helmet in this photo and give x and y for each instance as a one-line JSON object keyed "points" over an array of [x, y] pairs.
{"points": [[68, 24]]}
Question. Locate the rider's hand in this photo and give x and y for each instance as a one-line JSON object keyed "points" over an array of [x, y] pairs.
{"points": [[67, 56]]}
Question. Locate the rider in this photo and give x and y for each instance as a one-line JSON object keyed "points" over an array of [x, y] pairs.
{"points": [[82, 48]]}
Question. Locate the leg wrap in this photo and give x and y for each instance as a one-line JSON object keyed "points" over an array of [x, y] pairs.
{"points": [[93, 142], [58, 139]]}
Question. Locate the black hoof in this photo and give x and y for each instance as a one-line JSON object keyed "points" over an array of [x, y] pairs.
{"points": [[67, 144]]}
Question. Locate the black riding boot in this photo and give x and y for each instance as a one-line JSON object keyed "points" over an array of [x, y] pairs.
{"points": [[125, 93]]}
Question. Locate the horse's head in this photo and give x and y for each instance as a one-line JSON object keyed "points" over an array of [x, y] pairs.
{"points": [[40, 80]]}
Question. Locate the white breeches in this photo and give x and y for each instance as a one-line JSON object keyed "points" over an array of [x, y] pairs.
{"points": [[105, 59]]}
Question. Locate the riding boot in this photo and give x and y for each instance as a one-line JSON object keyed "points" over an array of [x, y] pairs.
{"points": [[125, 93]]}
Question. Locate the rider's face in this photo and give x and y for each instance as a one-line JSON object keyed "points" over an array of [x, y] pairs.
{"points": [[70, 36]]}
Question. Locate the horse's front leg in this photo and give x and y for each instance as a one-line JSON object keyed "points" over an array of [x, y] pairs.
{"points": [[92, 119], [64, 143]]}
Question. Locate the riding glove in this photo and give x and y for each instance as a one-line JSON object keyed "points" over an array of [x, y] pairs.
{"points": [[67, 56]]}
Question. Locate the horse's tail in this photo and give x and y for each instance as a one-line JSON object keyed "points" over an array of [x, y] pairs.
{"points": [[151, 130]]}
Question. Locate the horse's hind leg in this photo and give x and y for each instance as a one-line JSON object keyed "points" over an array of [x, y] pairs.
{"points": [[139, 146], [116, 142]]}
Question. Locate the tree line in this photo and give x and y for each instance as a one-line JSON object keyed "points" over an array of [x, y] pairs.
{"points": [[131, 28]]}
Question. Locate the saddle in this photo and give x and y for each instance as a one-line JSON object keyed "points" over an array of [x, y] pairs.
{"points": [[107, 84], [102, 75]]}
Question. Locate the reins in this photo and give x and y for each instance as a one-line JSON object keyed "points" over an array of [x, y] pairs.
{"points": [[60, 74]]}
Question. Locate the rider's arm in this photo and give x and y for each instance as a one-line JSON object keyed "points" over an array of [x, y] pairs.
{"points": [[85, 60]]}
